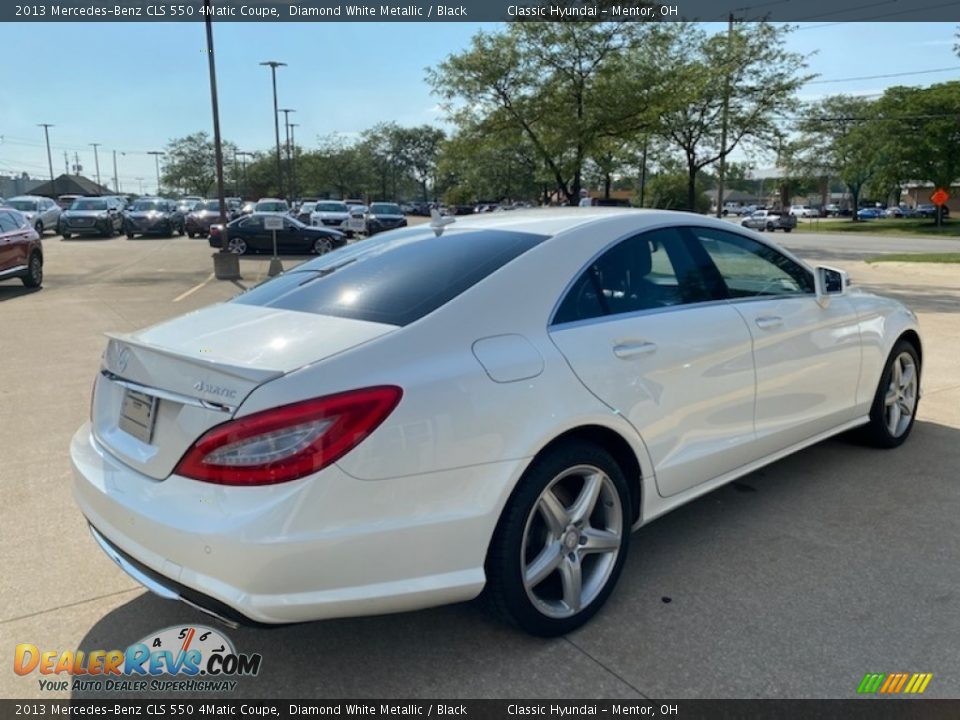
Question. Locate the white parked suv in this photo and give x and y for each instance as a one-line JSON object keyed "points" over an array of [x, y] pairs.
{"points": [[804, 211], [329, 213]]}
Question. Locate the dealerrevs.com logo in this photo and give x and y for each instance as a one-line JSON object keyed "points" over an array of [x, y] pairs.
{"points": [[199, 658]]}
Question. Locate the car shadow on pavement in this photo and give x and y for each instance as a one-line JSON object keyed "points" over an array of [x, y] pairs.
{"points": [[12, 292], [764, 587]]}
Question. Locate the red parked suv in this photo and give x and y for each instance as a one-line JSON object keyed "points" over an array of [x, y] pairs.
{"points": [[21, 254]]}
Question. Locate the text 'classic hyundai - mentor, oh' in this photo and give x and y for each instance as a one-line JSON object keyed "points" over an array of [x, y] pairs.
{"points": [[487, 404]]}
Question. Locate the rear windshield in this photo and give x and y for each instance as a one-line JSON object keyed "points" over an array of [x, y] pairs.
{"points": [[271, 206], [214, 206], [393, 278]]}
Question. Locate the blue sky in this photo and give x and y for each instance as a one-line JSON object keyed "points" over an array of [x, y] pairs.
{"points": [[133, 86]]}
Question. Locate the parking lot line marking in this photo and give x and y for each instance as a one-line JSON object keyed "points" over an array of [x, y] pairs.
{"points": [[192, 290]]}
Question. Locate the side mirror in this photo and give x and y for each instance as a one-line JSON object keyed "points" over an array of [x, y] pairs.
{"points": [[829, 281]]}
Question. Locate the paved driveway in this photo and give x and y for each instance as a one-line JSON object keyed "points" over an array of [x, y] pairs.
{"points": [[793, 582]]}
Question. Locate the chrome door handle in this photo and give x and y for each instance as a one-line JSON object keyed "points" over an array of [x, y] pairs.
{"points": [[629, 350], [767, 322]]}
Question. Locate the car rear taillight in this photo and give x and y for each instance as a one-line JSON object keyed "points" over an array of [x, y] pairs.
{"points": [[288, 442]]}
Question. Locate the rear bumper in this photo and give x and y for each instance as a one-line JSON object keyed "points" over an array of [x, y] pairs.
{"points": [[322, 547]]}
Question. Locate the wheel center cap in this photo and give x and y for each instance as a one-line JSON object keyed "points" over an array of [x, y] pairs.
{"points": [[571, 539]]}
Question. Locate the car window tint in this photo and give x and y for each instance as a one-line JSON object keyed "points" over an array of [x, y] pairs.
{"points": [[395, 278], [7, 222], [251, 223], [652, 270], [750, 268]]}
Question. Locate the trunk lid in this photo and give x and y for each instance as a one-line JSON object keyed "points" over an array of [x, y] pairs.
{"points": [[161, 388]]}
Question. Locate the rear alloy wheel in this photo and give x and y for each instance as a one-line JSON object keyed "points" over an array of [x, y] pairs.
{"points": [[34, 276], [237, 246], [898, 395], [560, 545], [322, 246]]}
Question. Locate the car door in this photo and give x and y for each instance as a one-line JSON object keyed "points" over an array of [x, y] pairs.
{"points": [[9, 242], [648, 335], [807, 355], [252, 232]]}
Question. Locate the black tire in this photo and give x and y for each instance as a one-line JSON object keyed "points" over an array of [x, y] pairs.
{"points": [[34, 276], [65, 235], [39, 228], [321, 246], [130, 234], [191, 234], [771, 227], [787, 229], [538, 610], [878, 432], [168, 230]]}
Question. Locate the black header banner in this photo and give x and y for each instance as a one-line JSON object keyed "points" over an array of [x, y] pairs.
{"points": [[173, 707], [480, 11]]}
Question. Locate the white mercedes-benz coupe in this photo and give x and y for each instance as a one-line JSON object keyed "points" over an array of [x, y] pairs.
{"points": [[487, 404]]}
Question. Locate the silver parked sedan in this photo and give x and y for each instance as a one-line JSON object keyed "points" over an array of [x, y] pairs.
{"points": [[43, 213]]}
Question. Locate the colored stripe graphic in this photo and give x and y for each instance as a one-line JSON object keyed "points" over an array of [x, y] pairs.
{"points": [[894, 683]]}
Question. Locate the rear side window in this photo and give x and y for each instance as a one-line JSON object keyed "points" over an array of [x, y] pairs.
{"points": [[395, 278]]}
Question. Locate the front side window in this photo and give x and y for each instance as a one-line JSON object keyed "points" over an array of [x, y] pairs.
{"points": [[23, 205], [752, 269], [652, 270]]}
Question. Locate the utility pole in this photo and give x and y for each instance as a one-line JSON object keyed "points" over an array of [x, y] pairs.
{"points": [[293, 162], [724, 121], [643, 170], [96, 159], [286, 126], [156, 158], [46, 133], [66, 163], [77, 167], [273, 65]]}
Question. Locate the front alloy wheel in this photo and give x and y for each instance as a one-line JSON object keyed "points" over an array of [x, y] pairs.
{"points": [[322, 246], [237, 246], [898, 395], [560, 545]]}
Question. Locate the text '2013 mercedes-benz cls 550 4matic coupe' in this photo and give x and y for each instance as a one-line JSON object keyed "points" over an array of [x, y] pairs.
{"points": [[482, 404]]}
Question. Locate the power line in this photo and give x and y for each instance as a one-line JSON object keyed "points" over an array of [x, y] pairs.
{"points": [[881, 77]]}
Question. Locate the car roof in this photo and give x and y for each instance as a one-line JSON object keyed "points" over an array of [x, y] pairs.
{"points": [[552, 221]]}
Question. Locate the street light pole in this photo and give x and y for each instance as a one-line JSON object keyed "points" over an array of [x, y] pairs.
{"points": [[46, 133], [273, 65], [293, 162], [286, 126], [96, 160], [116, 178], [156, 157]]}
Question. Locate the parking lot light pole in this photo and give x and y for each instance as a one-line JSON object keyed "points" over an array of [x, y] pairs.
{"points": [[46, 133], [116, 178], [286, 127], [273, 65], [96, 159], [156, 156], [226, 265], [293, 162]]}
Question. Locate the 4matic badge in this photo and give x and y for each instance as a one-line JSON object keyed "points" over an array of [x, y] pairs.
{"points": [[204, 656]]}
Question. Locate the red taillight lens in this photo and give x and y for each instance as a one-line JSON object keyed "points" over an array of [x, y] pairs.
{"points": [[288, 442]]}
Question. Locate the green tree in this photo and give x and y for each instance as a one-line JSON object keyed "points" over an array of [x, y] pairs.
{"points": [[840, 138], [921, 132], [190, 164], [745, 75], [417, 150], [564, 86]]}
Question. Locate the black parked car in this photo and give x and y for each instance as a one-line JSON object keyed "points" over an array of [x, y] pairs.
{"points": [[204, 215], [248, 234], [384, 216], [153, 216], [101, 216]]}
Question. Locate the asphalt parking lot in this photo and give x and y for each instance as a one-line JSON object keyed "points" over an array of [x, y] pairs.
{"points": [[792, 582]]}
